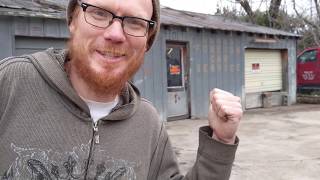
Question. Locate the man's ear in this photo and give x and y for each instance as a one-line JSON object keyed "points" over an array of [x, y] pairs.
{"points": [[72, 27], [73, 21]]}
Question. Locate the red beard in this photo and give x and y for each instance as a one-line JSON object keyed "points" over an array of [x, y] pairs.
{"points": [[106, 83]]}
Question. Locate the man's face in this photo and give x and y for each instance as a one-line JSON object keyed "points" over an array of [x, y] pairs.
{"points": [[105, 58]]}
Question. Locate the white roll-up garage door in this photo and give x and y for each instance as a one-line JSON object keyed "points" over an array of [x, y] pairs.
{"points": [[263, 70]]}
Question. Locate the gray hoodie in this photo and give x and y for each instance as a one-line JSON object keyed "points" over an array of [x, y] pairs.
{"points": [[46, 131]]}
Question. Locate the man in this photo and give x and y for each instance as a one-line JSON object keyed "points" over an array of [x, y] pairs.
{"points": [[72, 114]]}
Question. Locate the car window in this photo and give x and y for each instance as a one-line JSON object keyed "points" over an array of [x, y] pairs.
{"points": [[308, 56]]}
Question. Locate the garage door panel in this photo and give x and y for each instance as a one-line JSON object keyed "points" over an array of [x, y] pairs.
{"points": [[263, 73], [267, 75], [271, 79], [259, 83], [255, 90]]}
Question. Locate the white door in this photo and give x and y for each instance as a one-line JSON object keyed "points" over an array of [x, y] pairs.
{"points": [[177, 78], [263, 73]]}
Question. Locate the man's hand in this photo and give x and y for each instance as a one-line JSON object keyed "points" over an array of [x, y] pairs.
{"points": [[225, 112]]}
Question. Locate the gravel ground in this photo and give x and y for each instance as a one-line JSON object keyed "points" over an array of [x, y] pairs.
{"points": [[279, 143]]}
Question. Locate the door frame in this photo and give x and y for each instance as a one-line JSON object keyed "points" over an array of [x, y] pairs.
{"points": [[186, 76]]}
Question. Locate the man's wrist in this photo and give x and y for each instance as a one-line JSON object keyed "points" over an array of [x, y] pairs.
{"points": [[225, 141]]}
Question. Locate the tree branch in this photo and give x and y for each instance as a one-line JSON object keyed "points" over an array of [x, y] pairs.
{"points": [[274, 8], [315, 31], [247, 8], [317, 9]]}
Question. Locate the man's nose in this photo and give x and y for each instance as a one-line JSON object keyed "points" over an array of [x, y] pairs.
{"points": [[115, 31]]}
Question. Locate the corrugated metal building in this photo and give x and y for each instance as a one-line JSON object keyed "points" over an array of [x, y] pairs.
{"points": [[29, 25], [193, 54]]}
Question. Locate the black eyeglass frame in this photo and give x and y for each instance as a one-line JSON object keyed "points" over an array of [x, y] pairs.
{"points": [[151, 24]]}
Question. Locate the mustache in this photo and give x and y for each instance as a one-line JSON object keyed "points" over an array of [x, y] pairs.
{"points": [[112, 50]]}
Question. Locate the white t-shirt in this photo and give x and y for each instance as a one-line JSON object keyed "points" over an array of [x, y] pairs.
{"points": [[100, 109]]}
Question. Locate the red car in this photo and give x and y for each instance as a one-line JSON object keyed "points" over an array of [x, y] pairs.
{"points": [[308, 70]]}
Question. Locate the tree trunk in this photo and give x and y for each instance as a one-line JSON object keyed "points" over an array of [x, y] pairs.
{"points": [[274, 11], [312, 23], [317, 9], [247, 8]]}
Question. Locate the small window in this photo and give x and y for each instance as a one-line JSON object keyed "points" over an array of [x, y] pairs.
{"points": [[174, 67], [308, 56]]}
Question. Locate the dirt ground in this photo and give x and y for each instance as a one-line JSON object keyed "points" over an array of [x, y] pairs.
{"points": [[279, 143]]}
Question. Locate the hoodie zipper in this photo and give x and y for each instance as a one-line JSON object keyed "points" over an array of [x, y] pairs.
{"points": [[94, 141], [96, 133]]}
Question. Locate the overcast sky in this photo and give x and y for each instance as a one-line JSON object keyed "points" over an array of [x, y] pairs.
{"points": [[209, 6]]}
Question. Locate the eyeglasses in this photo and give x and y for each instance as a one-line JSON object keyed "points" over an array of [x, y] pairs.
{"points": [[101, 18]]}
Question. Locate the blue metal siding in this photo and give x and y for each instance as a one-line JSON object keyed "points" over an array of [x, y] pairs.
{"points": [[219, 55], [27, 45], [212, 59], [39, 27], [6, 37], [197, 82], [52, 27], [216, 61], [205, 71]]}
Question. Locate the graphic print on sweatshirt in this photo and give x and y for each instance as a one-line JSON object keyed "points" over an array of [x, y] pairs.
{"points": [[37, 164]]}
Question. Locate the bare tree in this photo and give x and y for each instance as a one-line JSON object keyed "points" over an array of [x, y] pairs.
{"points": [[317, 8], [312, 24], [247, 8], [276, 16], [272, 14], [274, 11]]}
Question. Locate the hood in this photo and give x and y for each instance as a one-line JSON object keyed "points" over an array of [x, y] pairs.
{"points": [[50, 64]]}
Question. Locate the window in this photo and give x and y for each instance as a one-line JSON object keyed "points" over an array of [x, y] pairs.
{"points": [[174, 67], [308, 56]]}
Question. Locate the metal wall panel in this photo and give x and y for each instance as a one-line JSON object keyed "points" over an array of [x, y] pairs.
{"points": [[21, 25], [150, 79], [216, 61], [159, 90], [212, 65], [64, 31], [205, 72], [52, 27], [212, 59], [39, 27], [225, 60], [27, 45], [6, 37], [198, 76], [219, 56], [36, 27]]}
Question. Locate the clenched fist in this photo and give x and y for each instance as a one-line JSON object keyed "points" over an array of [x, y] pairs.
{"points": [[225, 113]]}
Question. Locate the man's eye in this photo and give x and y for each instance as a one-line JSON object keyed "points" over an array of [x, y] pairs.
{"points": [[136, 23], [99, 14]]}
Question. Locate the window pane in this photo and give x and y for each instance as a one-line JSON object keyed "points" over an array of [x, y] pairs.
{"points": [[174, 67], [308, 56]]}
